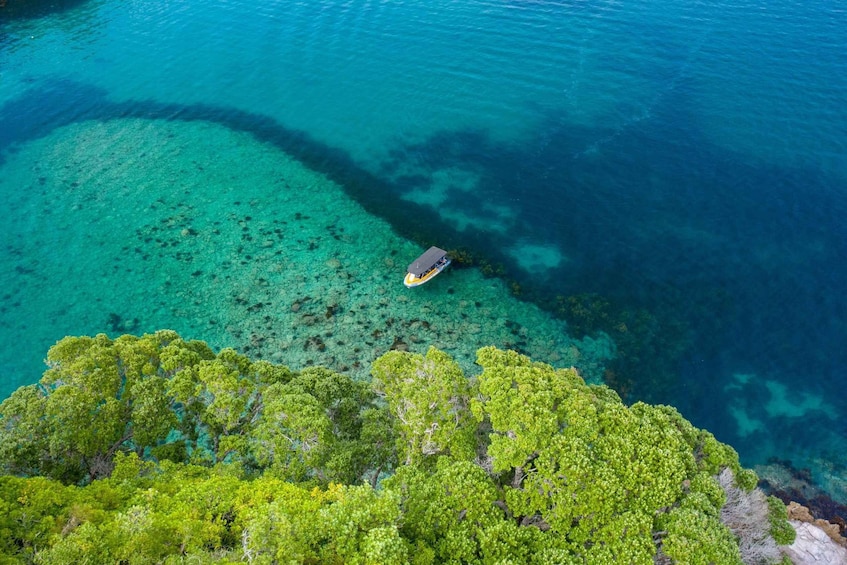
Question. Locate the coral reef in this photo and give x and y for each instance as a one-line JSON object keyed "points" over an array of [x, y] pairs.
{"points": [[642, 337]]}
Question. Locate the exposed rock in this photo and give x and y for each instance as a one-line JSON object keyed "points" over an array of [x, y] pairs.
{"points": [[788, 483], [814, 547], [800, 513], [399, 345]]}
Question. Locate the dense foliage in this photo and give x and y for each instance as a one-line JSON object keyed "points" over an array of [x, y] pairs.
{"points": [[155, 449]]}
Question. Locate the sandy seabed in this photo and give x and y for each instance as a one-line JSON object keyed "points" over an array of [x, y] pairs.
{"points": [[132, 225]]}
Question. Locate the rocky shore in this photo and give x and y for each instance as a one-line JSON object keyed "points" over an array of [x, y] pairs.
{"points": [[818, 542]]}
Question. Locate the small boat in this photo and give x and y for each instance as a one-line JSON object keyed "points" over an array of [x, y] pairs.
{"points": [[426, 267]]}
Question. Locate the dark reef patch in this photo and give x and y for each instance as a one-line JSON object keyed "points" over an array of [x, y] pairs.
{"points": [[31, 9], [696, 262], [116, 324], [803, 490]]}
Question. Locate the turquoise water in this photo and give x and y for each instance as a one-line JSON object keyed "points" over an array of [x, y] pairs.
{"points": [[259, 176]]}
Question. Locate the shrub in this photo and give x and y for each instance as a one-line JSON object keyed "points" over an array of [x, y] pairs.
{"points": [[781, 530], [747, 515]]}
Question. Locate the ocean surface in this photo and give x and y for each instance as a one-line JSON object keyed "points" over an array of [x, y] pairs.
{"points": [[654, 192]]}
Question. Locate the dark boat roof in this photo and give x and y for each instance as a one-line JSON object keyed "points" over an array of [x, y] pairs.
{"points": [[426, 261]]}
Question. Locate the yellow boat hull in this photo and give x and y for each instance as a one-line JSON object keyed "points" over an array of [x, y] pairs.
{"points": [[412, 281]]}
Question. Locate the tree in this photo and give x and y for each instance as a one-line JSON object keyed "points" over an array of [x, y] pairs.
{"points": [[579, 462], [428, 397], [97, 397], [524, 464], [448, 511], [219, 399], [24, 445], [31, 511], [167, 399], [321, 425]]}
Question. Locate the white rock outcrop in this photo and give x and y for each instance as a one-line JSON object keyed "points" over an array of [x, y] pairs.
{"points": [[814, 547]]}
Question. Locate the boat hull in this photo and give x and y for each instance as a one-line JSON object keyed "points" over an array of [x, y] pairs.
{"points": [[411, 281]]}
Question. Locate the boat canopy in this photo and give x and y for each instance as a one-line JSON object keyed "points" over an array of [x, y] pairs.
{"points": [[427, 261]]}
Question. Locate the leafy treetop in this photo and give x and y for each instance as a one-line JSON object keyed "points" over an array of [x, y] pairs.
{"points": [[154, 449]]}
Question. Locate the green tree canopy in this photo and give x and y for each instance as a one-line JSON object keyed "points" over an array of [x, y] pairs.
{"points": [[153, 449], [169, 399], [428, 398]]}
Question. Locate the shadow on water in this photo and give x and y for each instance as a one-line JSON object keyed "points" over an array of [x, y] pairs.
{"points": [[62, 102], [31, 9], [698, 264]]}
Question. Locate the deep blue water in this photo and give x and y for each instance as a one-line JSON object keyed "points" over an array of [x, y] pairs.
{"points": [[685, 162]]}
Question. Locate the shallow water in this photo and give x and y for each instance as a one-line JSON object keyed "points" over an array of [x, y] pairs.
{"points": [[259, 177], [133, 225]]}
